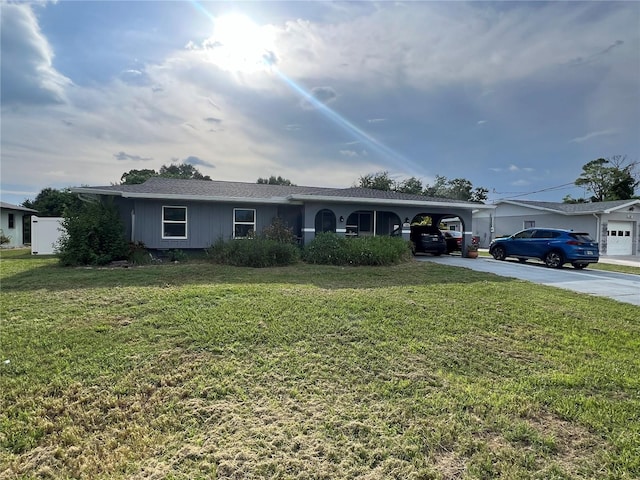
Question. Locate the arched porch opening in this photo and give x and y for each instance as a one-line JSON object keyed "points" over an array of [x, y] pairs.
{"points": [[325, 221]]}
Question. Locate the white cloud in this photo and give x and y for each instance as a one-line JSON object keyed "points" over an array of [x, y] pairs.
{"points": [[591, 135], [478, 43], [28, 75]]}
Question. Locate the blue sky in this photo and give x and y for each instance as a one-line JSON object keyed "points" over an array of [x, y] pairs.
{"points": [[513, 96]]}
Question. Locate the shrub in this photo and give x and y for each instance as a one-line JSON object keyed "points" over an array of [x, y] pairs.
{"points": [[326, 249], [177, 255], [330, 249], [93, 235], [279, 231], [4, 238], [256, 252], [138, 254]]}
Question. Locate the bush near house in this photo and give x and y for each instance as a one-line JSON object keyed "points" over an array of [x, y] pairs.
{"points": [[330, 249], [256, 252], [94, 235]]}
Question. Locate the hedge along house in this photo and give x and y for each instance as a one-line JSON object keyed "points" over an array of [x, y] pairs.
{"points": [[615, 225], [166, 213]]}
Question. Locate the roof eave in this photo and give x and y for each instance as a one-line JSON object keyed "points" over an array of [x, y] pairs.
{"points": [[534, 207], [629, 204], [384, 201], [174, 196]]}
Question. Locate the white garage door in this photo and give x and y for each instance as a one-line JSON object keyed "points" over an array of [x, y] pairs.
{"points": [[619, 238]]}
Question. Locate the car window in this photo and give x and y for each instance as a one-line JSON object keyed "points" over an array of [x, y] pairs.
{"points": [[524, 234], [581, 237], [543, 234]]}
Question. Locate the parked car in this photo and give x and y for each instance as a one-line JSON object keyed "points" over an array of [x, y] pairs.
{"points": [[453, 239], [427, 239], [553, 246]]}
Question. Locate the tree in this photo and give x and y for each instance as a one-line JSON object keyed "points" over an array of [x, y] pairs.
{"points": [[570, 199], [609, 179], [134, 177], [51, 202], [273, 180], [376, 181], [181, 170], [456, 189], [411, 185]]}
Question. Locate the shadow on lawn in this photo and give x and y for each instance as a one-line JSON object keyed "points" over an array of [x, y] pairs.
{"points": [[53, 277]]}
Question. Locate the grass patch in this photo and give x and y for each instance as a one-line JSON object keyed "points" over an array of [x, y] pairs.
{"points": [[412, 371]]}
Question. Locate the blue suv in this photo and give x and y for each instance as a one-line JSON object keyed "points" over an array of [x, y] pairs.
{"points": [[553, 246]]}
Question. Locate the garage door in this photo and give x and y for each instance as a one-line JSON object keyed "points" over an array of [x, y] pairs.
{"points": [[619, 238]]}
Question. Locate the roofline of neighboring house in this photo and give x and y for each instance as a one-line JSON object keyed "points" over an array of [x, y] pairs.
{"points": [[17, 208], [562, 212], [535, 207], [629, 204]]}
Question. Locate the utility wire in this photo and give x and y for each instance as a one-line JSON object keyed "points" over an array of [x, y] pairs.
{"points": [[558, 187]]}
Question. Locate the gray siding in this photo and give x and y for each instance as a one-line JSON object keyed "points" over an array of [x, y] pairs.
{"points": [[206, 222], [508, 225]]}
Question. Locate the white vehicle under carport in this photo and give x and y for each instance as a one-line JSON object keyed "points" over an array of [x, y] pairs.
{"points": [[553, 246]]}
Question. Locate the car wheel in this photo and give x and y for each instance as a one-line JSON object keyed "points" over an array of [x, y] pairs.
{"points": [[437, 254], [580, 266], [553, 259], [499, 253]]}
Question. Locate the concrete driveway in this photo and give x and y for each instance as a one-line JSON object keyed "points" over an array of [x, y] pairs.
{"points": [[618, 286]]}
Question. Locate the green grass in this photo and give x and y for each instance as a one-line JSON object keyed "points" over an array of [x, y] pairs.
{"points": [[311, 372]]}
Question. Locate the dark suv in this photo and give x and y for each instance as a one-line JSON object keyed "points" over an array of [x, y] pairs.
{"points": [[427, 239], [553, 246]]}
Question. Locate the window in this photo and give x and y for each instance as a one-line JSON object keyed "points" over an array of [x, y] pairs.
{"points": [[244, 222], [529, 223], [524, 234], [174, 222], [360, 223], [543, 234], [12, 220]]}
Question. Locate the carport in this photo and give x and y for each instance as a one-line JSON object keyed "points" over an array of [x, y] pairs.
{"points": [[358, 212]]}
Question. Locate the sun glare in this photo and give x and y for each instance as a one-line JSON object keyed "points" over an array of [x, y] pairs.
{"points": [[239, 45]]}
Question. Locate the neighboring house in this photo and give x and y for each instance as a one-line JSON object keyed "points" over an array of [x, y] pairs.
{"points": [[12, 223], [168, 213], [614, 225]]}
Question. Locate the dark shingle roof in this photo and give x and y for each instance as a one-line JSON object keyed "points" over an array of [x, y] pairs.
{"points": [[574, 208], [207, 189]]}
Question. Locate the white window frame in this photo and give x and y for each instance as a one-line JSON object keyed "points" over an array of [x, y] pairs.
{"points": [[174, 222], [253, 224], [528, 224]]}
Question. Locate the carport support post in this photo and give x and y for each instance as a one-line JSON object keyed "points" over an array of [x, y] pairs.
{"points": [[467, 239]]}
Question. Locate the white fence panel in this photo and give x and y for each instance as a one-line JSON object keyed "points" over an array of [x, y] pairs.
{"points": [[45, 233]]}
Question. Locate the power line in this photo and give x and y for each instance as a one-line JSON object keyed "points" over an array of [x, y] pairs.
{"points": [[558, 187]]}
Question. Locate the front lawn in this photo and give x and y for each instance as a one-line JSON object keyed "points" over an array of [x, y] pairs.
{"points": [[420, 370]]}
